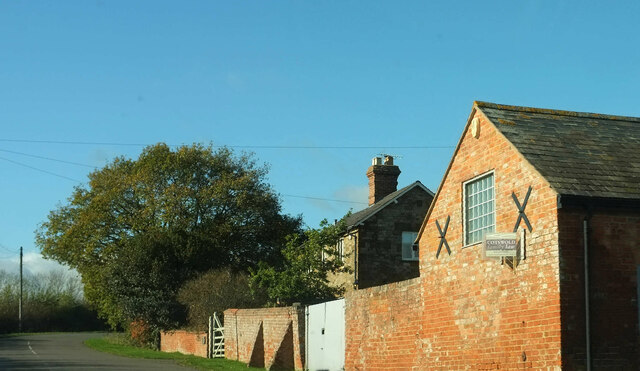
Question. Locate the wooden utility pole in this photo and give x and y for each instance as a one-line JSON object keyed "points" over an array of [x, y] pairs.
{"points": [[20, 302]]}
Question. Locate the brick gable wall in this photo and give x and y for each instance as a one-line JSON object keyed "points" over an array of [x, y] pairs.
{"points": [[477, 312], [470, 313]]}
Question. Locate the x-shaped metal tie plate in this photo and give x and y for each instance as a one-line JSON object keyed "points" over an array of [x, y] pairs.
{"points": [[443, 233], [521, 214]]}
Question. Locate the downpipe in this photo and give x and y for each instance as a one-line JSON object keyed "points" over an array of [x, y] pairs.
{"points": [[585, 237]]}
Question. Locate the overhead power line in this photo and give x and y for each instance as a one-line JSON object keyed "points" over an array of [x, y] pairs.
{"points": [[8, 249], [340, 147], [93, 167], [78, 181], [219, 146], [47, 158], [72, 142], [326, 199], [41, 170]]}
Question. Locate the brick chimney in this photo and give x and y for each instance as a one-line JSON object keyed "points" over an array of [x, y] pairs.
{"points": [[383, 178]]}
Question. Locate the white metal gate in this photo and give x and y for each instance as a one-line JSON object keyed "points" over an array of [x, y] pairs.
{"points": [[216, 337], [325, 336]]}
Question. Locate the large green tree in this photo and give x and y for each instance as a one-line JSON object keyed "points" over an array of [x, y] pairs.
{"points": [[141, 228]]}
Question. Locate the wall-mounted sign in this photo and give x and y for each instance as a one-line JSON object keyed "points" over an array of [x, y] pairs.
{"points": [[498, 245]]}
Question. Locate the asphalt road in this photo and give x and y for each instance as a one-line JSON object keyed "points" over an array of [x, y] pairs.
{"points": [[68, 352]]}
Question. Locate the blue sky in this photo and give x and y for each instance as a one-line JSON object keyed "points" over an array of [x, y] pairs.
{"points": [[85, 81]]}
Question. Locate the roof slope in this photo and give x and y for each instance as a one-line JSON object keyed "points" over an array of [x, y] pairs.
{"points": [[362, 215], [582, 154]]}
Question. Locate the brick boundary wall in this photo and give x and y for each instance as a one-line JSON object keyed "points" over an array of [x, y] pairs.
{"points": [[185, 342], [272, 338], [383, 326]]}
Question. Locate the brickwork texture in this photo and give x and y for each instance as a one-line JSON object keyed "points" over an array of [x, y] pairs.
{"points": [[469, 312], [272, 338], [472, 313], [185, 342], [614, 257], [383, 326], [480, 313]]}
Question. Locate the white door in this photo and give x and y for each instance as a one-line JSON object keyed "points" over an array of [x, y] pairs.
{"points": [[325, 336]]}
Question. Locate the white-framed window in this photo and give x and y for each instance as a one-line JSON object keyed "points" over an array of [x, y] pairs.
{"points": [[340, 249], [407, 246], [479, 208]]}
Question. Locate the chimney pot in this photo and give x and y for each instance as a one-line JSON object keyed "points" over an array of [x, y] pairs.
{"points": [[376, 161]]}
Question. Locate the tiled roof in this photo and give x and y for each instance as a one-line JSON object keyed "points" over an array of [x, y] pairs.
{"points": [[581, 154], [362, 215]]}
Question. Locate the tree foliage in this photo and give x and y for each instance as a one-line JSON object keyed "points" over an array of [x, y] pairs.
{"points": [[141, 228], [216, 291], [309, 257]]}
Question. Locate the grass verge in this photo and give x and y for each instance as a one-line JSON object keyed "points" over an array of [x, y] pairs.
{"points": [[116, 344]]}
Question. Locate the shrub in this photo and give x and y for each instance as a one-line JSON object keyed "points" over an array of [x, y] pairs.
{"points": [[216, 291], [143, 335]]}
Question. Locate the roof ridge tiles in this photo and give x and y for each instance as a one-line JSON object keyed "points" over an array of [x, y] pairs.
{"points": [[362, 215], [548, 111]]}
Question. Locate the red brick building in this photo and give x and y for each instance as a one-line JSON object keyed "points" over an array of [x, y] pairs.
{"points": [[569, 184]]}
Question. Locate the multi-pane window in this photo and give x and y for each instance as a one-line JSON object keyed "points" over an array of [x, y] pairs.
{"points": [[480, 216], [407, 246], [340, 249]]}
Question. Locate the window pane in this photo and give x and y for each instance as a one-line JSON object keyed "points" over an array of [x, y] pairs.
{"points": [[407, 246], [479, 208]]}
